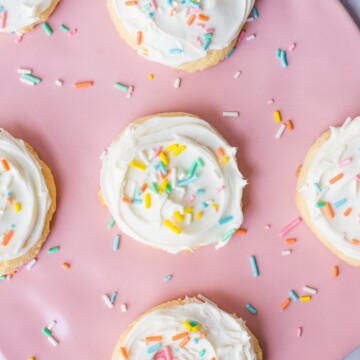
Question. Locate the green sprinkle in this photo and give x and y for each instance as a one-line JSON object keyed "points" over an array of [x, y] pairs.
{"points": [[53, 249], [32, 78], [228, 235], [3, 277], [168, 189], [47, 28], [111, 223], [154, 187], [200, 162], [278, 53], [207, 36], [202, 352], [46, 331], [320, 204], [192, 169], [121, 87], [64, 28]]}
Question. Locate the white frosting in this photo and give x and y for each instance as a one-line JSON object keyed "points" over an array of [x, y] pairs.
{"points": [[338, 155], [226, 336], [220, 182], [22, 183], [167, 28], [22, 13]]}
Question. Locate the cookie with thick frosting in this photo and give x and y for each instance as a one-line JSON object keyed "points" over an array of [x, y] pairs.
{"points": [[188, 35], [187, 329], [20, 16], [328, 190], [27, 202], [171, 181]]}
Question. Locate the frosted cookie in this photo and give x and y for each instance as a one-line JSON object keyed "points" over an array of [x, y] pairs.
{"points": [[171, 181], [328, 190], [188, 35], [187, 329], [27, 202], [20, 16]]}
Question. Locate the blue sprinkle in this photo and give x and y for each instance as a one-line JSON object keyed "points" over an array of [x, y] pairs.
{"points": [[113, 296], [186, 181], [175, 51], [111, 223], [339, 203], [206, 44], [204, 205], [168, 278], [136, 201], [12, 226], [196, 340], [230, 52], [317, 187], [154, 348], [283, 59], [255, 13], [294, 295], [225, 220], [162, 167], [254, 266], [116, 243], [251, 309], [1, 8], [200, 191]]}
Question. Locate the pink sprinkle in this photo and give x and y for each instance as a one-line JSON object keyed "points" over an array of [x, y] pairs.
{"points": [[270, 101], [19, 39], [292, 47], [158, 151], [72, 32], [131, 89], [153, 4], [220, 188], [201, 26], [241, 35], [3, 19], [9, 277], [267, 227], [192, 198], [288, 228], [357, 177], [344, 162], [299, 331], [209, 30], [198, 42], [168, 353]]}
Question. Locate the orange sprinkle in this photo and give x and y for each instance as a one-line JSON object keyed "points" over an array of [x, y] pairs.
{"points": [[153, 338], [347, 211], [82, 84], [335, 271], [329, 210], [203, 335], [203, 17], [355, 242], [180, 336], [139, 38], [240, 232], [184, 342], [143, 188], [66, 266], [285, 304], [298, 171], [290, 241], [190, 19], [221, 151], [124, 353], [126, 200], [289, 125], [7, 238], [164, 176], [130, 3], [5, 165], [10, 200], [336, 178]]}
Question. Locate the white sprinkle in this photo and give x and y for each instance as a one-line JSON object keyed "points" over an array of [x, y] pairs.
{"points": [[51, 325], [173, 178], [128, 95], [31, 263], [168, 278], [124, 307], [346, 123], [107, 301], [292, 47], [237, 74], [280, 131], [27, 82], [177, 83], [286, 252], [24, 71], [52, 340], [299, 331], [188, 218], [267, 227], [310, 290], [251, 37], [59, 82], [131, 89], [206, 300], [250, 19], [230, 113], [270, 101], [143, 157]]}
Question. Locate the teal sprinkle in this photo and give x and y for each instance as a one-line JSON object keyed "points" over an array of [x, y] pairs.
{"points": [[111, 223], [192, 169], [200, 162], [278, 53], [3, 277], [202, 352], [47, 29], [53, 249], [121, 87], [251, 309], [154, 187], [32, 78], [64, 28], [46, 331], [228, 235]]}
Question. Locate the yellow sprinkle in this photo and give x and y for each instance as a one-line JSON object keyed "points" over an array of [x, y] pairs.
{"points": [[215, 206], [172, 227], [32, 358], [147, 201], [190, 327], [172, 147], [138, 165], [164, 158], [199, 215], [178, 216], [277, 116], [225, 159], [188, 210], [164, 184], [305, 298], [17, 207], [150, 76], [179, 150]]}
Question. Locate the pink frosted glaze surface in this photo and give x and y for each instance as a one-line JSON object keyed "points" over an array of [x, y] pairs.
{"points": [[70, 128]]}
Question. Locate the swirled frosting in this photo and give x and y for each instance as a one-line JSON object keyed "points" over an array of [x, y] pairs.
{"points": [[24, 198], [193, 330], [331, 189], [172, 182], [21, 13], [175, 32]]}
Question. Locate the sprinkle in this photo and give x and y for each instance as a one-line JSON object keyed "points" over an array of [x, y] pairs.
{"points": [[150, 77], [270, 101], [250, 37], [46, 331], [344, 162], [290, 241], [280, 131], [339, 203], [178, 217], [113, 297], [64, 28], [121, 87], [254, 266], [200, 191], [220, 151], [184, 342], [190, 19], [24, 71], [199, 215], [53, 250], [168, 278], [336, 178], [154, 187], [17, 207], [289, 125], [27, 82], [7, 238], [299, 331], [52, 325], [138, 38], [179, 150], [66, 266], [293, 295], [228, 235], [251, 309], [3, 19], [123, 308], [175, 51], [82, 84], [72, 32], [5, 165], [305, 298], [225, 220], [230, 113], [59, 82], [335, 271], [52, 341], [285, 304], [107, 301], [240, 232], [192, 169], [177, 83], [153, 338], [180, 336], [47, 29], [187, 181], [289, 227], [237, 74], [131, 3], [283, 59], [347, 212], [124, 353], [111, 223], [317, 187], [310, 290], [329, 210], [172, 227], [116, 242], [292, 47], [255, 12], [31, 263], [277, 116], [220, 188], [138, 165], [202, 17], [320, 204], [32, 78]]}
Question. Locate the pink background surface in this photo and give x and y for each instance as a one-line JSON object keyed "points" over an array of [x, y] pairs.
{"points": [[70, 128]]}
